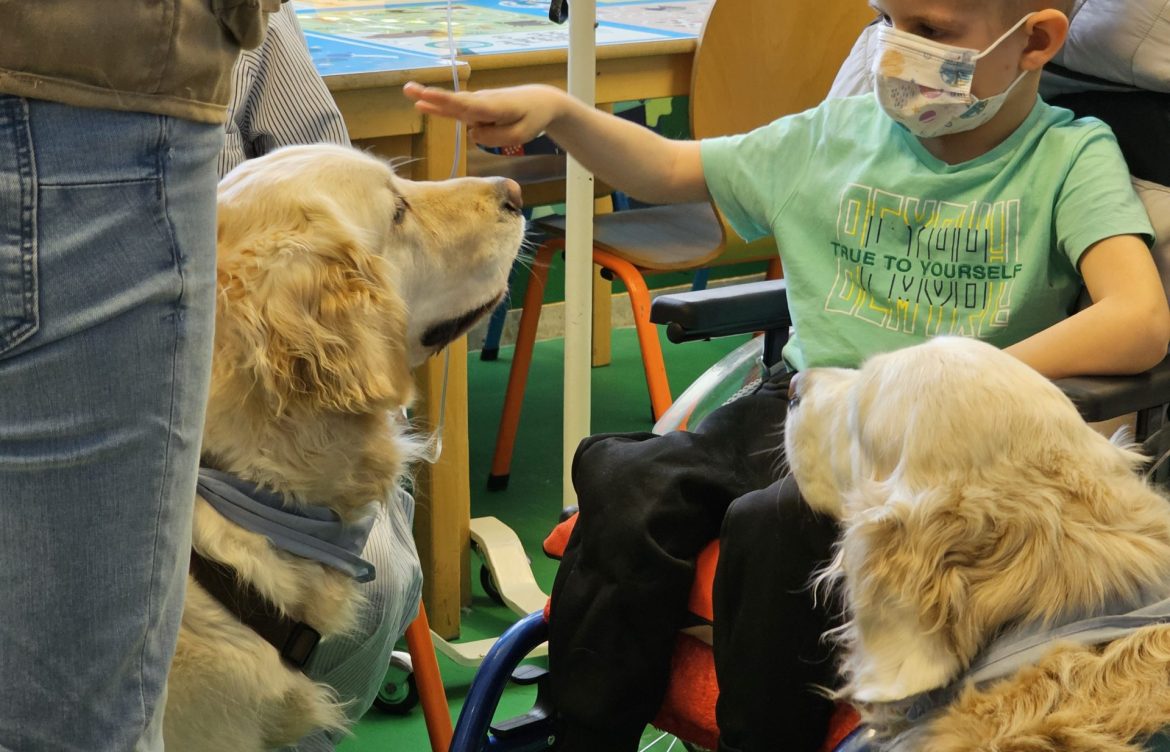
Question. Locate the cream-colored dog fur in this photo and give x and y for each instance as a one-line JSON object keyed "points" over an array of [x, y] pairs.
{"points": [[335, 278], [972, 498]]}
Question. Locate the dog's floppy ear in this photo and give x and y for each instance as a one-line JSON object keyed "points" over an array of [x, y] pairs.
{"points": [[899, 596], [933, 573], [316, 320]]}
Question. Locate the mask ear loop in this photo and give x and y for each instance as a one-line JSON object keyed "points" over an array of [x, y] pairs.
{"points": [[1002, 37]]}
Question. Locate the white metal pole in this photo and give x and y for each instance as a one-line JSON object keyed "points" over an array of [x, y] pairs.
{"points": [[578, 246]]}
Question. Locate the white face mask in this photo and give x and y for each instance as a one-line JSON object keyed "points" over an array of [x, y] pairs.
{"points": [[926, 85]]}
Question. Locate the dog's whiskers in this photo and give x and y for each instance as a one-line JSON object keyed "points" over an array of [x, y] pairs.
{"points": [[397, 162]]}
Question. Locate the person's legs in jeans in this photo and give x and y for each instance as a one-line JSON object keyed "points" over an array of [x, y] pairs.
{"points": [[107, 256], [769, 653]]}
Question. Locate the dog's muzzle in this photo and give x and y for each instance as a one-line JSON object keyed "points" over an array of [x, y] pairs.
{"points": [[442, 334]]}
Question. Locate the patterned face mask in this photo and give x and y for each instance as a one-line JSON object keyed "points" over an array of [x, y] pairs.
{"points": [[926, 85]]}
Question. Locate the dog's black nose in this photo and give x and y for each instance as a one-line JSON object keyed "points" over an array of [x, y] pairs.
{"points": [[513, 199]]}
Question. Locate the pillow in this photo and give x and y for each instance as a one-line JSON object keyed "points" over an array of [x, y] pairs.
{"points": [[1125, 41]]}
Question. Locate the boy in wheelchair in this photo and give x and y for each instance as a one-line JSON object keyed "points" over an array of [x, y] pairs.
{"points": [[955, 201]]}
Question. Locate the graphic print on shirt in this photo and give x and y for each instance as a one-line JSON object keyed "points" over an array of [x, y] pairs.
{"points": [[925, 266]]}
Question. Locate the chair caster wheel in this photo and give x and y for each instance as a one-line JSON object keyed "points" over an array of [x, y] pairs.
{"points": [[399, 692], [489, 585]]}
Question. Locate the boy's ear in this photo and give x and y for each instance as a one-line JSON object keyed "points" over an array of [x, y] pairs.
{"points": [[1047, 31]]}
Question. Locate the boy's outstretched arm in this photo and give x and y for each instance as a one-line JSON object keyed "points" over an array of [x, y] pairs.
{"points": [[625, 155], [1125, 330]]}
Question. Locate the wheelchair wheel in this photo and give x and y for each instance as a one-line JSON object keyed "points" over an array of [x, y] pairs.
{"points": [[486, 580], [399, 692], [860, 740], [489, 584]]}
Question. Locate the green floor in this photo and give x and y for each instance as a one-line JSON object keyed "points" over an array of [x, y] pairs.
{"points": [[532, 500]]}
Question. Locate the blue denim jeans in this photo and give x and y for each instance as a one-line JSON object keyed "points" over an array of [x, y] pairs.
{"points": [[107, 266]]}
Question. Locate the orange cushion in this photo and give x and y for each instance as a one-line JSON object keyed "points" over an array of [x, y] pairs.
{"points": [[845, 719], [688, 710], [554, 545], [700, 599], [700, 603]]}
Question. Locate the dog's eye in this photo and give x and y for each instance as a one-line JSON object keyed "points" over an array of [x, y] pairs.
{"points": [[793, 394], [400, 211]]}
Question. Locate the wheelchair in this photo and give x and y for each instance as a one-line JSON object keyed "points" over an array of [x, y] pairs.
{"points": [[762, 308]]}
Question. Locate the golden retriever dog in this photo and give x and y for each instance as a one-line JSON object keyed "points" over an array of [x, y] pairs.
{"points": [[978, 510], [335, 278]]}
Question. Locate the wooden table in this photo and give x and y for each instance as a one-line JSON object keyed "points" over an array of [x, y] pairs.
{"points": [[379, 117]]}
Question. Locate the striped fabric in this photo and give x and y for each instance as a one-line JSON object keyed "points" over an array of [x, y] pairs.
{"points": [[356, 665], [278, 99]]}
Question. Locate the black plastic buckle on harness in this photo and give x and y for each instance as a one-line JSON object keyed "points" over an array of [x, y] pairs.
{"points": [[294, 640], [300, 644]]}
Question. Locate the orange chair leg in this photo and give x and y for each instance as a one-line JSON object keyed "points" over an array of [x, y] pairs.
{"points": [[521, 360], [652, 362], [431, 695]]}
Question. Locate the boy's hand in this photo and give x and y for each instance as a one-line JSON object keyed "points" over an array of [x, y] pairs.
{"points": [[621, 153], [496, 117]]}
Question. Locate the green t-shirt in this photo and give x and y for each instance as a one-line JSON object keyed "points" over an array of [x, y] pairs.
{"points": [[884, 245]]}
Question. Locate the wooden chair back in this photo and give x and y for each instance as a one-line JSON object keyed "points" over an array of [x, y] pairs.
{"points": [[758, 60]]}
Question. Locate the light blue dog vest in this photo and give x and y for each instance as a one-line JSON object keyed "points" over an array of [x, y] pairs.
{"points": [[1024, 647], [313, 532]]}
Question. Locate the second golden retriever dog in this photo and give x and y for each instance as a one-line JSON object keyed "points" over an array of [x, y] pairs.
{"points": [[335, 278], [1004, 568]]}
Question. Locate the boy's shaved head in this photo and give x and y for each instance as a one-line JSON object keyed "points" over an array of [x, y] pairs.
{"points": [[1016, 9]]}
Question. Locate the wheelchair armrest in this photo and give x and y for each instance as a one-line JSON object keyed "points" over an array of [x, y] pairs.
{"points": [[1104, 397], [723, 311], [763, 306]]}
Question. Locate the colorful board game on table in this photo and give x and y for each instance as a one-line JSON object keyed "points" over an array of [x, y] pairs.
{"points": [[355, 36]]}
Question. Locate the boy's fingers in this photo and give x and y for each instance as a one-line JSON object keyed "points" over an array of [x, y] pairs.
{"points": [[461, 105], [482, 100], [420, 93], [429, 109], [442, 109]]}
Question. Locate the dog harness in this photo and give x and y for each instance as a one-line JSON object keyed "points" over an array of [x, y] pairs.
{"points": [[311, 532], [1024, 647]]}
